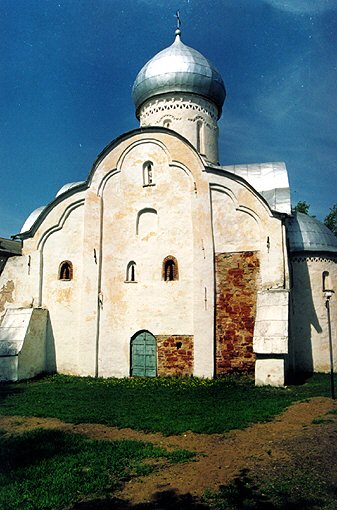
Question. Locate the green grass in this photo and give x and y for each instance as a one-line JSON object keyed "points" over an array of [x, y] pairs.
{"points": [[48, 469], [167, 405], [285, 489], [321, 421]]}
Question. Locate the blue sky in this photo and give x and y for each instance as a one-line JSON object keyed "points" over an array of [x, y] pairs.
{"points": [[68, 67]]}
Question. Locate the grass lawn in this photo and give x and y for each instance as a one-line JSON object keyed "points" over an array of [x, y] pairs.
{"points": [[287, 490], [49, 469], [167, 405]]}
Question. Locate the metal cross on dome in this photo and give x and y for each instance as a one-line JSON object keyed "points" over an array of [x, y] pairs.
{"points": [[177, 15]]}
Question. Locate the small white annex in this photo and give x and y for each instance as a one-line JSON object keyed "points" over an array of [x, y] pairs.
{"points": [[164, 262]]}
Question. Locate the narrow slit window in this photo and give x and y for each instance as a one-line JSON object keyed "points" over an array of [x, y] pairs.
{"points": [[200, 137], [170, 269], [66, 270], [131, 272], [326, 282], [148, 174]]}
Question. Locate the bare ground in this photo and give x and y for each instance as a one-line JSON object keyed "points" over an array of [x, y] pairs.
{"points": [[290, 440]]}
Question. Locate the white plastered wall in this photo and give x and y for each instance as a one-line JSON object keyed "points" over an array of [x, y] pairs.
{"points": [[308, 316], [180, 201], [242, 221], [164, 229], [58, 238], [18, 283], [93, 317]]}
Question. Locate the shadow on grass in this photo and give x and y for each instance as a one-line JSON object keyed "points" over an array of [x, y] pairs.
{"points": [[241, 494], [244, 494], [7, 389], [11, 388], [31, 448], [166, 500]]}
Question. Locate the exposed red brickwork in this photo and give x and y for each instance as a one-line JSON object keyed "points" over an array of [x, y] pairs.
{"points": [[175, 355], [236, 285]]}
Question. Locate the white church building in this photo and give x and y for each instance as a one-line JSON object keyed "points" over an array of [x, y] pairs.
{"points": [[163, 262]]}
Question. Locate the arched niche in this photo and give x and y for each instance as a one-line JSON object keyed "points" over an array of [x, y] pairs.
{"points": [[235, 228], [147, 222]]}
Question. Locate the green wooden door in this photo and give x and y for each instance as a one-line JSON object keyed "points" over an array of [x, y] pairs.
{"points": [[144, 355]]}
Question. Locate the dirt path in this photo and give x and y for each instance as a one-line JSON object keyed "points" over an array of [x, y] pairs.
{"points": [[221, 457]]}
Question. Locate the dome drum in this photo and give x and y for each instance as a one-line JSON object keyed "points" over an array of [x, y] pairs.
{"points": [[193, 117]]}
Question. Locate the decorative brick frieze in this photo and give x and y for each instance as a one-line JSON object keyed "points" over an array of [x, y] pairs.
{"points": [[174, 104], [311, 258], [237, 277], [175, 355]]}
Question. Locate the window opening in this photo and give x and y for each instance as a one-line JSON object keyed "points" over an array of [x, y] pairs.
{"points": [[131, 272], [66, 270], [326, 282], [170, 269], [148, 174], [200, 137]]}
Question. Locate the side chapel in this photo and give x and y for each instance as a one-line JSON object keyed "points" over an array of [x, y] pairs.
{"points": [[163, 262]]}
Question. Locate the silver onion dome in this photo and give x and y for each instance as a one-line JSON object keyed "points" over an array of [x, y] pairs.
{"points": [[179, 68]]}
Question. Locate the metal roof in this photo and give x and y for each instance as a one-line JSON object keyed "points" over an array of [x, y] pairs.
{"points": [[179, 68], [268, 179], [37, 212], [31, 219], [68, 186], [305, 233], [9, 247]]}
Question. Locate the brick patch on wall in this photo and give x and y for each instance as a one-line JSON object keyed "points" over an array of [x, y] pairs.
{"points": [[236, 286], [175, 355]]}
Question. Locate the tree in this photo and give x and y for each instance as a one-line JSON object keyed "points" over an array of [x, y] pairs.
{"points": [[330, 220], [302, 206]]}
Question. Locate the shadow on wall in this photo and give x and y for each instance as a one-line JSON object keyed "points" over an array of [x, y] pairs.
{"points": [[302, 316], [51, 366]]}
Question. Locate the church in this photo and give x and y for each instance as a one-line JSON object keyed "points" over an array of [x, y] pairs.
{"points": [[165, 263]]}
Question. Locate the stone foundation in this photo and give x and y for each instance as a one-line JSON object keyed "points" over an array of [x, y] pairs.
{"points": [[175, 355], [236, 287]]}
